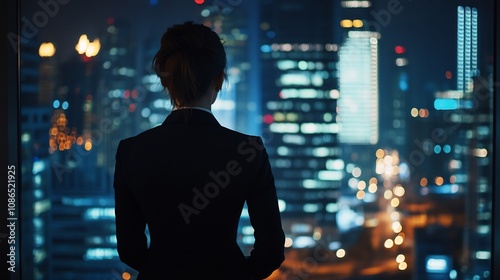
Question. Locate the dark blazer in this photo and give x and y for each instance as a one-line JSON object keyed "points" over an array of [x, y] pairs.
{"points": [[188, 180]]}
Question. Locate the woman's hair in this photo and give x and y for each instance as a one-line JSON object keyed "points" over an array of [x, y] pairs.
{"points": [[190, 57]]}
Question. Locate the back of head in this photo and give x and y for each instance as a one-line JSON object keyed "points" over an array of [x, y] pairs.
{"points": [[191, 56]]}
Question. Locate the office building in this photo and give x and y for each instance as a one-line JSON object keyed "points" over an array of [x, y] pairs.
{"points": [[299, 115], [462, 175]]}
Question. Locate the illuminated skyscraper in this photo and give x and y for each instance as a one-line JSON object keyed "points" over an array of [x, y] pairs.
{"points": [[358, 104], [467, 46], [474, 117], [300, 122], [464, 121], [358, 84]]}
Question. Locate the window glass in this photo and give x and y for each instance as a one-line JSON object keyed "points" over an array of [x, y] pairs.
{"points": [[376, 115]]}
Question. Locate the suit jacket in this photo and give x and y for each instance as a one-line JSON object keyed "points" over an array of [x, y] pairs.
{"points": [[188, 180]]}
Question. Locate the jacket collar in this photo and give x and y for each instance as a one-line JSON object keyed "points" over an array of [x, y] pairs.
{"points": [[190, 116]]}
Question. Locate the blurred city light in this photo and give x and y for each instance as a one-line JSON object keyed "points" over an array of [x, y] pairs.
{"points": [[87, 47], [399, 49], [47, 50], [437, 264], [340, 253]]}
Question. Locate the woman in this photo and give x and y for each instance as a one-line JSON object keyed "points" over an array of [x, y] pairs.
{"points": [[188, 179]]}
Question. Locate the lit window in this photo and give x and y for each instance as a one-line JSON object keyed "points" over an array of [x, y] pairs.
{"points": [[346, 23], [357, 23]]}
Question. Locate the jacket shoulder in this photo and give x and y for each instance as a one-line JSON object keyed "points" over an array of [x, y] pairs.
{"points": [[141, 137], [239, 135]]}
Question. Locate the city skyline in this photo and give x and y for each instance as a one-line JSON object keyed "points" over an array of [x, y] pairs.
{"points": [[299, 67]]}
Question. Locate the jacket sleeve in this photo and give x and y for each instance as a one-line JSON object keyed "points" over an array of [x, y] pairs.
{"points": [[268, 252], [130, 222]]}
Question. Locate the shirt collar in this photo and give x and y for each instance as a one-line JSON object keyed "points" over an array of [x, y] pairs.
{"points": [[197, 108]]}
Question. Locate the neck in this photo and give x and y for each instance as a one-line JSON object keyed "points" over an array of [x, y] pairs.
{"points": [[204, 103]]}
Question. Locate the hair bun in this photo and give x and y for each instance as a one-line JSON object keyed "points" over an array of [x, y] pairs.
{"points": [[190, 74]]}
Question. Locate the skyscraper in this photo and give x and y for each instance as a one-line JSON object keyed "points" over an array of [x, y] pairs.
{"points": [[474, 121], [467, 46], [358, 104], [358, 84], [300, 121], [462, 175]]}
